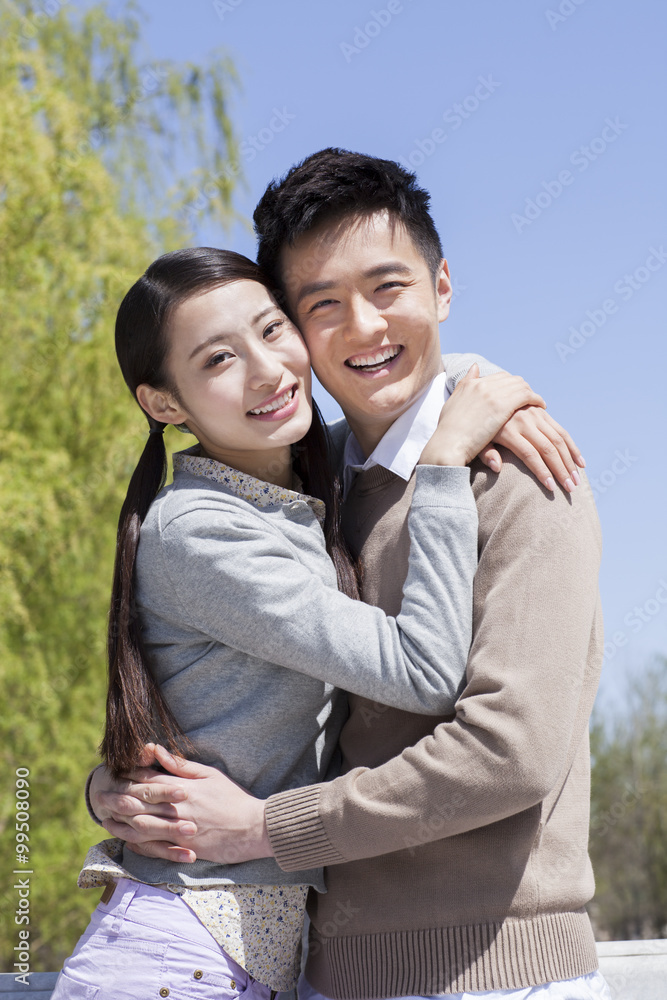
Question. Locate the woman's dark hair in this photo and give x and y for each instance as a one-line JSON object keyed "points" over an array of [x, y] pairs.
{"points": [[137, 713], [332, 185]]}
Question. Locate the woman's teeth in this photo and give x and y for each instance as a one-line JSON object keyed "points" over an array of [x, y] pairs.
{"points": [[371, 360], [277, 404]]}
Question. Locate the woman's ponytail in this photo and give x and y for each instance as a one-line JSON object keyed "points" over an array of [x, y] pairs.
{"points": [[136, 711]]}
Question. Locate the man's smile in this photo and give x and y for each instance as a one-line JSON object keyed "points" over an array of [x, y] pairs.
{"points": [[375, 361]]}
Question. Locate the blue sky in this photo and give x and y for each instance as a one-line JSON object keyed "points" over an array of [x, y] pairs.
{"points": [[539, 130]]}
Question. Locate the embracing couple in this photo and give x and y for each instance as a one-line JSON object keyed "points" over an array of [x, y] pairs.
{"points": [[377, 645]]}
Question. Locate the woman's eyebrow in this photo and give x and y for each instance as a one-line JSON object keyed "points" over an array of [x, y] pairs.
{"points": [[207, 343], [262, 314], [226, 336]]}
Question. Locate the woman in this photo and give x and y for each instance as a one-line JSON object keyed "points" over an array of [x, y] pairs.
{"points": [[231, 600]]}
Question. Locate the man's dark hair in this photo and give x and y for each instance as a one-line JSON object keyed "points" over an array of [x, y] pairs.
{"points": [[333, 184]]}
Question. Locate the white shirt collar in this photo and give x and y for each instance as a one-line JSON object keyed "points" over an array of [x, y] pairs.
{"points": [[400, 448]]}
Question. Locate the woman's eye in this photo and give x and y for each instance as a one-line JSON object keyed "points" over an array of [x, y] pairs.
{"points": [[273, 327], [218, 358]]}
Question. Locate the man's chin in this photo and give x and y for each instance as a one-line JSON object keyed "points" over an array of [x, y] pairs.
{"points": [[385, 403]]}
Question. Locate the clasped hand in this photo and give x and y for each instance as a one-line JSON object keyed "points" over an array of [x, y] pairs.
{"points": [[544, 447], [207, 815]]}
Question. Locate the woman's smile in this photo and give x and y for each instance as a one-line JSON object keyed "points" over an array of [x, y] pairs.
{"points": [[279, 406]]}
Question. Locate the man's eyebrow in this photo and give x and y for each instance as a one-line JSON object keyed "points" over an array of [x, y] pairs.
{"points": [[387, 267], [225, 336]]}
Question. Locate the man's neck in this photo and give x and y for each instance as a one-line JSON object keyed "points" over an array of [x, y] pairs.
{"points": [[369, 430], [369, 434]]}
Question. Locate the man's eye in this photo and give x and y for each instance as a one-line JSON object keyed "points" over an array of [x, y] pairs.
{"points": [[273, 327], [218, 358], [391, 284], [322, 302]]}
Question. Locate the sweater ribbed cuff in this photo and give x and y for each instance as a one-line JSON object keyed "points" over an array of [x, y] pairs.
{"points": [[296, 833], [444, 486]]}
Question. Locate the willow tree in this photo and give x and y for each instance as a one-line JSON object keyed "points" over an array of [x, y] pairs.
{"points": [[87, 199]]}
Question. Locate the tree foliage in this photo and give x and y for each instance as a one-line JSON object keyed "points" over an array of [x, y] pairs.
{"points": [[629, 814], [85, 204]]}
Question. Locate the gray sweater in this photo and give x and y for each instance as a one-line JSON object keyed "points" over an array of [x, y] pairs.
{"points": [[250, 638]]}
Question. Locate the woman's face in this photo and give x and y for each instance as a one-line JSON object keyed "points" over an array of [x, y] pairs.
{"points": [[242, 373]]}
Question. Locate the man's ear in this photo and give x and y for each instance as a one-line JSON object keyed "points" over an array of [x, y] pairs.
{"points": [[160, 405], [443, 291]]}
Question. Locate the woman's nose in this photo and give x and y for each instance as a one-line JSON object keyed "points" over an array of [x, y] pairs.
{"points": [[264, 368]]}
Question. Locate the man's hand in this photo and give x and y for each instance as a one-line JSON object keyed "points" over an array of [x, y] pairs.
{"points": [[193, 812], [543, 446]]}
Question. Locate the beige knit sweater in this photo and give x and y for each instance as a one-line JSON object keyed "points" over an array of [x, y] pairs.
{"points": [[458, 853]]}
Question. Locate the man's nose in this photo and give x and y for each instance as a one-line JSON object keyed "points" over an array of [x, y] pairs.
{"points": [[364, 321]]}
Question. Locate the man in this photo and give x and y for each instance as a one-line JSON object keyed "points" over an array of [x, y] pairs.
{"points": [[457, 856]]}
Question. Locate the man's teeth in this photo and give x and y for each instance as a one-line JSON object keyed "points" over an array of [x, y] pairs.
{"points": [[277, 404], [374, 359]]}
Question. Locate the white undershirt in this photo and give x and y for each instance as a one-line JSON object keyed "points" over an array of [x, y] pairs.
{"points": [[400, 448]]}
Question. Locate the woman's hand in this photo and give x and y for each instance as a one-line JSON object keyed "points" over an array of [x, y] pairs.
{"points": [[474, 414], [543, 446], [195, 811], [530, 433]]}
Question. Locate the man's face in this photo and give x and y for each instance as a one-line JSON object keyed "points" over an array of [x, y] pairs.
{"points": [[368, 308]]}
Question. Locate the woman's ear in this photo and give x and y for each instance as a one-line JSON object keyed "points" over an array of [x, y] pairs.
{"points": [[443, 291], [160, 405]]}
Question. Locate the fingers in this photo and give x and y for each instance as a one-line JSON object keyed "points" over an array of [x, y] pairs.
{"points": [[143, 829], [162, 849], [147, 756], [135, 799], [491, 457], [178, 765], [127, 804], [472, 373], [568, 444], [532, 436], [503, 393], [532, 459]]}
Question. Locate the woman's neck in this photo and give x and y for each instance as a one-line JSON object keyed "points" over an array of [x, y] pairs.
{"points": [[271, 466]]}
